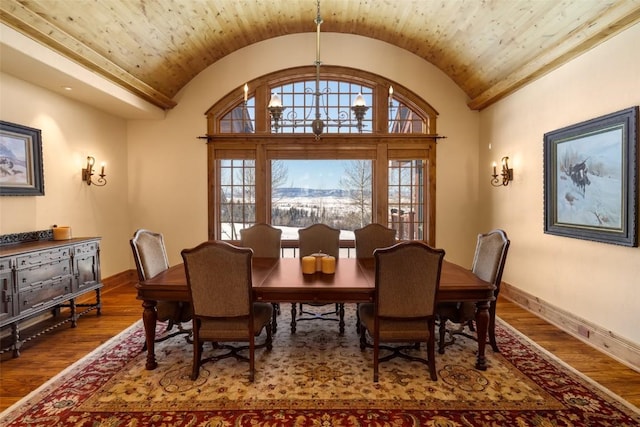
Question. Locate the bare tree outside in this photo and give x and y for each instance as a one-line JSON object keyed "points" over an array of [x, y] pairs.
{"points": [[279, 175], [356, 180]]}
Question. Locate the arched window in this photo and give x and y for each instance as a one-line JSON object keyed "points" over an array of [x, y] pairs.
{"points": [[374, 163]]}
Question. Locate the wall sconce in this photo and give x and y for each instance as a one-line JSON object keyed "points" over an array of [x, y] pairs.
{"points": [[87, 173], [506, 174]]}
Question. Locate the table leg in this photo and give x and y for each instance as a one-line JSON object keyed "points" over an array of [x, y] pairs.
{"points": [[482, 324], [341, 315], [149, 318]]}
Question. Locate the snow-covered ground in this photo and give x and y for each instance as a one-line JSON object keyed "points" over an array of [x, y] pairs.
{"points": [[288, 233], [600, 205]]}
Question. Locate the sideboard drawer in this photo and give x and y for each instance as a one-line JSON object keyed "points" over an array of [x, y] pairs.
{"points": [[86, 248], [5, 265], [36, 275], [49, 292], [37, 258]]}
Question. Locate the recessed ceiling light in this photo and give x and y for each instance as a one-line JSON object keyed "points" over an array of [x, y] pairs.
{"points": [[67, 88]]}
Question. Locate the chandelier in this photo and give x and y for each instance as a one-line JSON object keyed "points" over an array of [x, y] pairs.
{"points": [[276, 109]]}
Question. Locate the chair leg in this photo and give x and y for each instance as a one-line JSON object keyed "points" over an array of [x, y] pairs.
{"points": [[293, 318], [363, 337], [443, 332], [269, 342], [274, 317], [492, 329], [471, 325], [197, 349], [252, 348], [376, 353], [431, 355]]}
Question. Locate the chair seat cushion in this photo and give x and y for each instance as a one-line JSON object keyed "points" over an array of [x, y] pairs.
{"points": [[394, 330], [231, 329]]}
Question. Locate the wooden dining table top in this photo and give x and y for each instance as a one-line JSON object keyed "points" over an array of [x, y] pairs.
{"points": [[282, 280]]}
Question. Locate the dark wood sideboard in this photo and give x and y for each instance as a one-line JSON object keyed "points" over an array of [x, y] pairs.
{"points": [[46, 275]]}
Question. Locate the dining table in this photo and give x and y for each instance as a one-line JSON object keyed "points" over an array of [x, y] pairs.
{"points": [[281, 280]]}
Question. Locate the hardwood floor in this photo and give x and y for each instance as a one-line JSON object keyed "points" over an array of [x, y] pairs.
{"points": [[50, 353]]}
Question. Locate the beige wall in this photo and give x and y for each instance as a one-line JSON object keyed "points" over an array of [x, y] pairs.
{"points": [[594, 281], [166, 156], [70, 132]]}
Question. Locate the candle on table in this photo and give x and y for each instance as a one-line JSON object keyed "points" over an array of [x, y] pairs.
{"points": [[318, 257], [329, 265], [308, 265]]}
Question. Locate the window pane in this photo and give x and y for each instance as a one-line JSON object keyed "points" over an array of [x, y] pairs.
{"points": [[241, 119], [237, 197], [333, 192], [301, 105], [403, 119], [406, 195]]}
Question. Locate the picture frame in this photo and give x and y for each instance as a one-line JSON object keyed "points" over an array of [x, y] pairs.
{"points": [[591, 179], [21, 171]]}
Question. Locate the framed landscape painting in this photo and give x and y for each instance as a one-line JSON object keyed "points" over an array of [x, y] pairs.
{"points": [[591, 179], [20, 161]]}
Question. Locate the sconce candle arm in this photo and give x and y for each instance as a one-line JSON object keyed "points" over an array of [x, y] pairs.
{"points": [[87, 173], [505, 176]]}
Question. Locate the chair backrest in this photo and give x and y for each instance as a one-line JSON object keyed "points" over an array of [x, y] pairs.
{"points": [[371, 237], [219, 279], [490, 257], [149, 253], [263, 239], [319, 238], [407, 279]]}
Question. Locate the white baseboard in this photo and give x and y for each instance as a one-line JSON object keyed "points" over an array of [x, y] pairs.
{"points": [[618, 348]]}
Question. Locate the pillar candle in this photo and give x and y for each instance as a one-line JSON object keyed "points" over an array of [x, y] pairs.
{"points": [[329, 265], [318, 257], [308, 265], [61, 233]]}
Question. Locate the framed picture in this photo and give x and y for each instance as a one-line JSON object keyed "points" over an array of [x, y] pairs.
{"points": [[20, 161], [591, 179]]}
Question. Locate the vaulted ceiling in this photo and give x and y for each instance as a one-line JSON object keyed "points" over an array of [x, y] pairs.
{"points": [[153, 48]]}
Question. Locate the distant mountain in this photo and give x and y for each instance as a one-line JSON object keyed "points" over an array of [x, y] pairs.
{"points": [[6, 152], [309, 192]]}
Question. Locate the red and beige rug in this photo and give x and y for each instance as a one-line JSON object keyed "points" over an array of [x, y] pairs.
{"points": [[318, 378]]}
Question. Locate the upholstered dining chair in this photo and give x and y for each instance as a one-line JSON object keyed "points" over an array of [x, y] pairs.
{"points": [[368, 239], [313, 239], [407, 278], [264, 239], [371, 237], [488, 264], [150, 256], [219, 283]]}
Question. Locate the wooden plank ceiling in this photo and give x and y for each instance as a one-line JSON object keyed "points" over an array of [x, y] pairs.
{"points": [[153, 48]]}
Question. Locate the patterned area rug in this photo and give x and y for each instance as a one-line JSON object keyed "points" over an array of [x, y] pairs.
{"points": [[316, 377]]}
